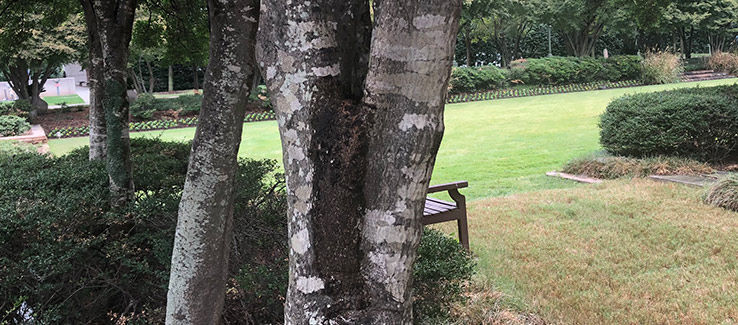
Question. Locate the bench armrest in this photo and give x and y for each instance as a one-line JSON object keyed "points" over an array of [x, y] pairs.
{"points": [[447, 187]]}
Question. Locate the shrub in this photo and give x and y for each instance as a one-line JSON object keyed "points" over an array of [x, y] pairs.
{"points": [[72, 260], [144, 106], [724, 62], [698, 123], [609, 167], [568, 70], [20, 108], [724, 193], [12, 148], [628, 67], [662, 68], [187, 104], [11, 125], [467, 80], [441, 272]]}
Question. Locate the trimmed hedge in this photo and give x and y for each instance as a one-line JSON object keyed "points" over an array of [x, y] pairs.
{"points": [[467, 80], [82, 131], [547, 72], [698, 123]]}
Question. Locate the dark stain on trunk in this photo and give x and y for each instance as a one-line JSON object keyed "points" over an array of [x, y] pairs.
{"points": [[339, 151]]}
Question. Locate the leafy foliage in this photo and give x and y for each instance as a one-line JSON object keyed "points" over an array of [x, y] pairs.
{"points": [[699, 123], [467, 80], [11, 125], [441, 272]]}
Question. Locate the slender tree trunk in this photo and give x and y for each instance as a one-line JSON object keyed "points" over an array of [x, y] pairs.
{"points": [[115, 23], [204, 228], [152, 79], [98, 133], [467, 46], [357, 163], [136, 81], [195, 78], [170, 80]]}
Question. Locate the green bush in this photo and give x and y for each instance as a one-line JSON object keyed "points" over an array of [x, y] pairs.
{"points": [[20, 108], [662, 68], [467, 80], [187, 104], [11, 125], [441, 272], [72, 260], [569, 70], [144, 106], [698, 123], [12, 148]]}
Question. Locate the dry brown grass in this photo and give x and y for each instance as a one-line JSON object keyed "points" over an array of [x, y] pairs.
{"points": [[623, 252], [724, 194], [484, 306], [607, 167], [723, 62]]}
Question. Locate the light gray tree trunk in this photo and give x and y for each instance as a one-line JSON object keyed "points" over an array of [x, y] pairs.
{"points": [[98, 136], [170, 80], [204, 228], [114, 21], [359, 142]]}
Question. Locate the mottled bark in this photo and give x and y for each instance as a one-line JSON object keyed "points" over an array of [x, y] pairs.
{"points": [[204, 228], [114, 21], [95, 66], [357, 162]]}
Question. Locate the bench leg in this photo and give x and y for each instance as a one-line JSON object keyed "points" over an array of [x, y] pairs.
{"points": [[464, 232]]}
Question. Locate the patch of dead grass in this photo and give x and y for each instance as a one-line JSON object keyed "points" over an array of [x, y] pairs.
{"points": [[623, 252]]}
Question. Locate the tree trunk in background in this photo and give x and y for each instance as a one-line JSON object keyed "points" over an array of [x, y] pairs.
{"points": [[204, 229], [467, 46], [170, 80], [98, 133], [152, 79], [195, 78], [115, 23], [359, 142]]}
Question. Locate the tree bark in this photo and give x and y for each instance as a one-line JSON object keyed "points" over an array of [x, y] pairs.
{"points": [[357, 163], [204, 228], [170, 80], [114, 20], [98, 133]]}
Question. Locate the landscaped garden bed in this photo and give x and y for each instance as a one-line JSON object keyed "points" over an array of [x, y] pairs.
{"points": [[525, 91]]}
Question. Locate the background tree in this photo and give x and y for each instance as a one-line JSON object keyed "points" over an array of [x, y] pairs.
{"points": [[147, 48], [205, 223], [36, 39], [113, 21], [359, 139], [507, 23]]}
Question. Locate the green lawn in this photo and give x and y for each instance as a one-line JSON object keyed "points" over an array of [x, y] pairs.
{"points": [[69, 99], [501, 147]]}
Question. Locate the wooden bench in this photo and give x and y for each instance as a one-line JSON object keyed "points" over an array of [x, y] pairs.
{"points": [[437, 211]]}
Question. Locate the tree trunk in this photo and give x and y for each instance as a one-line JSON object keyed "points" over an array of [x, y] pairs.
{"points": [[170, 80], [152, 79], [195, 78], [204, 229], [357, 165], [467, 46], [136, 81], [115, 22], [98, 133]]}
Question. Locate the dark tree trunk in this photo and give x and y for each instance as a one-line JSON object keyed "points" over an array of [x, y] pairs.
{"points": [[357, 158], [467, 46], [204, 229], [114, 19], [98, 133], [195, 78]]}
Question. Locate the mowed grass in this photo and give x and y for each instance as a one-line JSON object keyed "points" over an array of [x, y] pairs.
{"points": [[69, 99], [624, 252], [501, 146]]}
